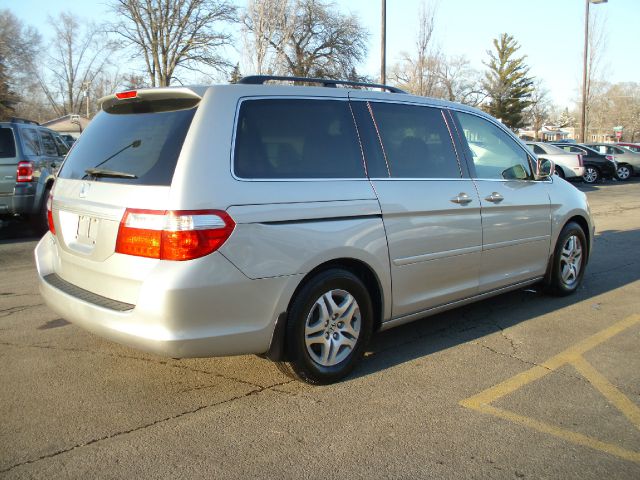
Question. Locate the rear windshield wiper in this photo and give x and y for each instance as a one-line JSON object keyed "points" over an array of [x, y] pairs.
{"points": [[100, 172]]}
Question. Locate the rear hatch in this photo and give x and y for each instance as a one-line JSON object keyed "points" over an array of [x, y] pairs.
{"points": [[125, 158], [8, 160]]}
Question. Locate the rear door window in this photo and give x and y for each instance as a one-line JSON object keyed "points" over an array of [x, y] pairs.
{"points": [[296, 138], [143, 146], [416, 141], [7, 143], [48, 144], [62, 147], [31, 142]]}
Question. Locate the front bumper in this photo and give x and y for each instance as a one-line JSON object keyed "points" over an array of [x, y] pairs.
{"points": [[200, 308]]}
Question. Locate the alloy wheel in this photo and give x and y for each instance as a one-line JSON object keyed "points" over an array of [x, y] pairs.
{"points": [[332, 327], [571, 261]]}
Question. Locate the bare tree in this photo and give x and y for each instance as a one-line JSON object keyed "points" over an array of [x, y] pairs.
{"points": [[596, 53], [19, 49], [78, 54], [458, 82], [306, 38], [539, 110], [417, 71], [175, 34], [264, 24]]}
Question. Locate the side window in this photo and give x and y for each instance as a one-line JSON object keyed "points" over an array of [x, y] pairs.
{"points": [[62, 147], [494, 153], [416, 141], [48, 144], [7, 143], [297, 138], [538, 150], [30, 141]]}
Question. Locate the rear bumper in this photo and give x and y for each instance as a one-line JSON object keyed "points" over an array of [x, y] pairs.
{"points": [[200, 308], [19, 202]]}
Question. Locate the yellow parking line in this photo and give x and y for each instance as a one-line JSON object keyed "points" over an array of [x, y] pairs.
{"points": [[615, 396], [572, 355], [567, 435]]}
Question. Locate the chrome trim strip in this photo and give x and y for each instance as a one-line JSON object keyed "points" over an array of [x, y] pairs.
{"points": [[399, 262], [522, 241]]}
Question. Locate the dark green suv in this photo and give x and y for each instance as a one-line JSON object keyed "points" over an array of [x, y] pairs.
{"points": [[30, 156]]}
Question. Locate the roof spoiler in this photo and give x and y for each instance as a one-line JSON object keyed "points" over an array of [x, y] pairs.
{"points": [[150, 100]]}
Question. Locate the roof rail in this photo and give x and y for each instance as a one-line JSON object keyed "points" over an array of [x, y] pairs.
{"points": [[22, 120], [325, 82]]}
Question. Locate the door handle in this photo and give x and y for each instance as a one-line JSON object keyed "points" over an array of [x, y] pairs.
{"points": [[462, 199], [495, 197]]}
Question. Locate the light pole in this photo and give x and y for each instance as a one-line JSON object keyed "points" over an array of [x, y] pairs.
{"points": [[383, 44], [85, 87], [583, 123]]}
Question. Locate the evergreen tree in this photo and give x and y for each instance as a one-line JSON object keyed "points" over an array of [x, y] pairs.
{"points": [[507, 83], [235, 74]]}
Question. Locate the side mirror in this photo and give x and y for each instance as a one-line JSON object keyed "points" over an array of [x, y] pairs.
{"points": [[544, 168]]}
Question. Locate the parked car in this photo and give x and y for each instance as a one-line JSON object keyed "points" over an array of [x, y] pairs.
{"points": [[30, 156], [597, 165], [628, 161], [69, 139], [634, 147], [568, 165], [295, 221]]}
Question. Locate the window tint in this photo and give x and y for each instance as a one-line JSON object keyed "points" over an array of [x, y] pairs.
{"points": [[30, 141], [282, 138], [62, 147], [48, 144], [416, 141], [495, 154], [7, 143], [144, 144], [538, 150]]}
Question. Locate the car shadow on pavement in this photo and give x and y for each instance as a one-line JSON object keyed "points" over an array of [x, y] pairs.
{"points": [[17, 230], [475, 321]]}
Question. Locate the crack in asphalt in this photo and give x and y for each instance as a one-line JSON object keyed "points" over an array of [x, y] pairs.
{"points": [[255, 391], [11, 310], [503, 333]]}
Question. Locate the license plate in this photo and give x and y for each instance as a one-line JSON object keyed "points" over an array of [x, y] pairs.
{"points": [[87, 230]]}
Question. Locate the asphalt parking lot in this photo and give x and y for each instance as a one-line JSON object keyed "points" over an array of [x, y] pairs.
{"points": [[518, 386]]}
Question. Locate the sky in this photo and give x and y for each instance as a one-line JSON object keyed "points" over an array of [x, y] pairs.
{"points": [[550, 33]]}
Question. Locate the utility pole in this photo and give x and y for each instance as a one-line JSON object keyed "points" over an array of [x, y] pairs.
{"points": [[383, 44], [85, 87]]}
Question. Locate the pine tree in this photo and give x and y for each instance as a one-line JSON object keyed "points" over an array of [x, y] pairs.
{"points": [[507, 83], [235, 74]]}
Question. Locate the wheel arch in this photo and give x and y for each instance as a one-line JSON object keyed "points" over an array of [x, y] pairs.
{"points": [[364, 272], [360, 269]]}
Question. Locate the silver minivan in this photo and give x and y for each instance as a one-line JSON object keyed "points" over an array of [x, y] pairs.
{"points": [[295, 221]]}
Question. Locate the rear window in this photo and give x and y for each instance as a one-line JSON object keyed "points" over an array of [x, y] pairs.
{"points": [[7, 143], [146, 145], [296, 138]]}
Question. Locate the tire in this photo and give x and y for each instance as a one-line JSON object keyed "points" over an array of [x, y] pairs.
{"points": [[569, 261], [591, 175], [40, 221], [329, 326], [624, 172], [559, 171]]}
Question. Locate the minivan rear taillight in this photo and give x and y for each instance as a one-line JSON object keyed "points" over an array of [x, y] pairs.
{"points": [[173, 235], [52, 227], [24, 172], [611, 158], [580, 160]]}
